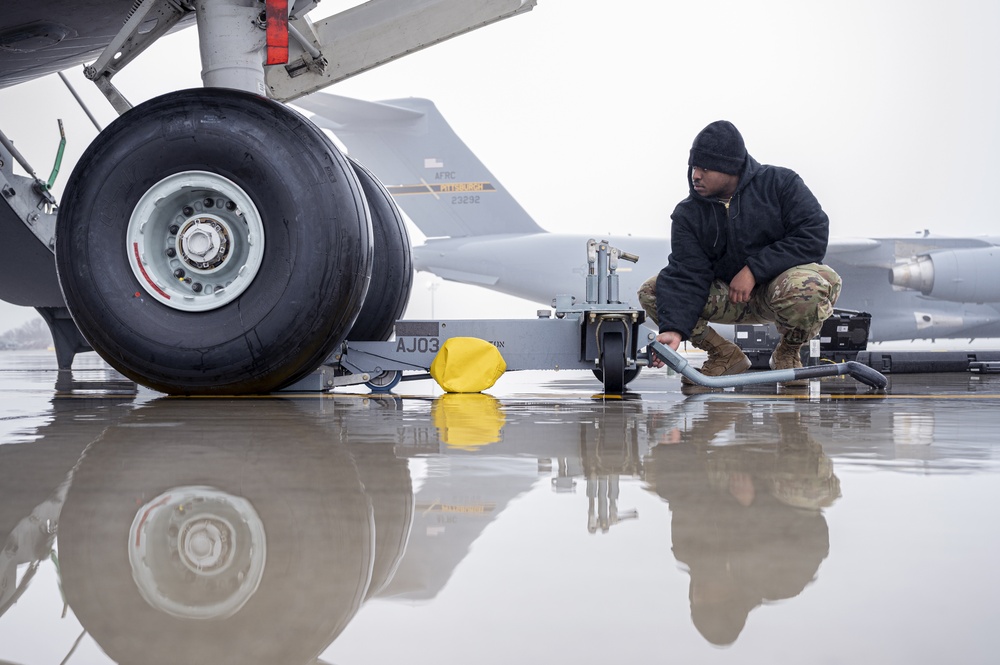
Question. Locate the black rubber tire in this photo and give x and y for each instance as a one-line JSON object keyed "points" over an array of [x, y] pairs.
{"points": [[613, 363], [317, 256], [630, 375], [316, 516], [392, 269]]}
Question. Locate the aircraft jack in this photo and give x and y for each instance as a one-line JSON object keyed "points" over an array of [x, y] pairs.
{"points": [[601, 335]]}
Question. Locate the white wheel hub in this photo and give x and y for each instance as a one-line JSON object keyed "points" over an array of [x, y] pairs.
{"points": [[195, 241], [197, 552]]}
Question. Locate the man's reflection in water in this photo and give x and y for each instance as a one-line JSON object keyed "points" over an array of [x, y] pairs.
{"points": [[746, 492]]}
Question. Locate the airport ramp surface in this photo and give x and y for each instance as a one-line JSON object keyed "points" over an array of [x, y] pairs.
{"points": [[542, 522]]}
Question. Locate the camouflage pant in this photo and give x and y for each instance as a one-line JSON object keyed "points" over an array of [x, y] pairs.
{"points": [[797, 301]]}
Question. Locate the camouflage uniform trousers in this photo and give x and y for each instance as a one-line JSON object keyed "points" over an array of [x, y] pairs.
{"points": [[797, 301]]}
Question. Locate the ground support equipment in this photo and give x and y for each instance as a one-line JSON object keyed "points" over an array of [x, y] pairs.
{"points": [[857, 371], [602, 335], [600, 340]]}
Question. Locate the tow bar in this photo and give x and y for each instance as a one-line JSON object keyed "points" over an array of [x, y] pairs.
{"points": [[858, 371]]}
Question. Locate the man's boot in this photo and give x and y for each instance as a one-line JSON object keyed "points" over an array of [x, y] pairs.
{"points": [[787, 355], [724, 357]]}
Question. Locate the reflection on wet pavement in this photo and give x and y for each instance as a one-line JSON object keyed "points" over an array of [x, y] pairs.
{"points": [[540, 523]]}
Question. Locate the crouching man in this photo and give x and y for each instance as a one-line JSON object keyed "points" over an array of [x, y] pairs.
{"points": [[747, 246]]}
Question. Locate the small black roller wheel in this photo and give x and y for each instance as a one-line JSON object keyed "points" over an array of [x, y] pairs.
{"points": [[613, 363], [630, 375], [385, 381]]}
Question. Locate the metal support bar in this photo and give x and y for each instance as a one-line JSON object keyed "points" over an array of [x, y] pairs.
{"points": [[8, 145], [148, 22], [602, 273], [79, 101], [30, 200]]}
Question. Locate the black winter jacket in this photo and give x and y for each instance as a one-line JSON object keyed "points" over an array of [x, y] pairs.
{"points": [[773, 223]]}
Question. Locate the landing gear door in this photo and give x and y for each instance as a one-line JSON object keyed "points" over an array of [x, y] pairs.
{"points": [[374, 33]]}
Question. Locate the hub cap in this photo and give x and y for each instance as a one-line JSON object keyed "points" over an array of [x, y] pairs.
{"points": [[195, 241]]}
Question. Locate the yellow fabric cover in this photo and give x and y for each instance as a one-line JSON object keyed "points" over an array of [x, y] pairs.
{"points": [[467, 365], [468, 421]]}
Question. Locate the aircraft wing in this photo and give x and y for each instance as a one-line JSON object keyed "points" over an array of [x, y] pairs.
{"points": [[46, 36], [846, 245]]}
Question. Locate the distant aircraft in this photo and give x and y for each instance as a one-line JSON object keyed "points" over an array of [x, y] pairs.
{"points": [[212, 240], [477, 233]]}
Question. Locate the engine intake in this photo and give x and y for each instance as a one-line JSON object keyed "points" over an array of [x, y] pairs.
{"points": [[960, 275]]}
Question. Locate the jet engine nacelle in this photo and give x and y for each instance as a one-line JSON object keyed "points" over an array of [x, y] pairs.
{"points": [[961, 275]]}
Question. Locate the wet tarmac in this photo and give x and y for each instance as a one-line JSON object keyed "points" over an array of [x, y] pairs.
{"points": [[541, 523]]}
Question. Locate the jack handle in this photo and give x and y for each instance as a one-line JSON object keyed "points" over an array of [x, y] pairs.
{"points": [[857, 371]]}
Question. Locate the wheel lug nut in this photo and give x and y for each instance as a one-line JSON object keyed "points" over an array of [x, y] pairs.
{"points": [[174, 229], [179, 273], [230, 205], [208, 203], [188, 211], [171, 252], [196, 287]]}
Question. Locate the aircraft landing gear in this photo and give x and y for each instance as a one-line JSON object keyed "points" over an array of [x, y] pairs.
{"points": [[213, 242]]}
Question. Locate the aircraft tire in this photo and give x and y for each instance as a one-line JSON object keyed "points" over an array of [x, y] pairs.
{"points": [[392, 271], [262, 212]]}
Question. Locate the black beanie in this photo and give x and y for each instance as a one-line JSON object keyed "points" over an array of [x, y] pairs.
{"points": [[719, 147]]}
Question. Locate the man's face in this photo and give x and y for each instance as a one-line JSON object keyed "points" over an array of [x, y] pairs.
{"points": [[713, 184]]}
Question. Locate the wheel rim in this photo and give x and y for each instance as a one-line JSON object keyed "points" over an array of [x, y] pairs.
{"points": [[197, 552], [195, 241], [385, 381]]}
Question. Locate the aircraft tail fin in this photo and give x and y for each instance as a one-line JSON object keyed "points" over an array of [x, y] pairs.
{"points": [[432, 174]]}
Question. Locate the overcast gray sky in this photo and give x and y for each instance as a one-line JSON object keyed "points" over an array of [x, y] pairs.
{"points": [[586, 110]]}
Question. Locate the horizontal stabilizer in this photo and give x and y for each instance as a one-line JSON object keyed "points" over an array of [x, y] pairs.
{"points": [[335, 112], [434, 177]]}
